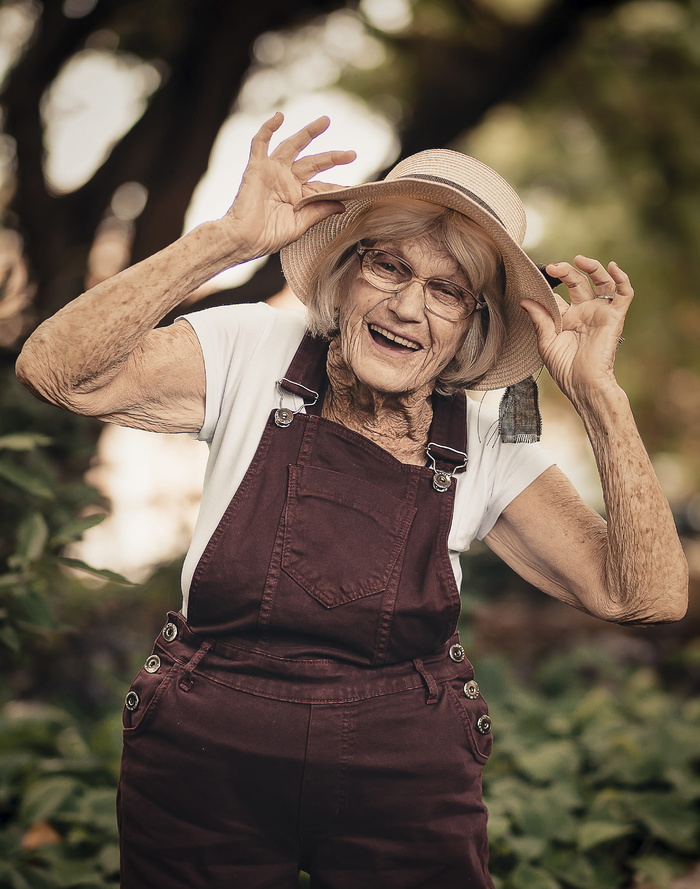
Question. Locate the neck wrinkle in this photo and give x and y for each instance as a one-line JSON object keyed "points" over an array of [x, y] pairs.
{"points": [[397, 422]]}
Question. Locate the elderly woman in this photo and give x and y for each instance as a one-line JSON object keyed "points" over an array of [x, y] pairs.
{"points": [[311, 706]]}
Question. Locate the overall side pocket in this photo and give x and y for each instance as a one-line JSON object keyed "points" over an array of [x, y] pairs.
{"points": [[146, 692], [473, 713]]}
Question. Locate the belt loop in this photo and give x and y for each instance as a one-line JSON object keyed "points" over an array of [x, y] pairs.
{"points": [[430, 683], [186, 679]]}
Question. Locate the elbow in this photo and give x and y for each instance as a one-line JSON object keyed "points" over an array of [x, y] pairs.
{"points": [[653, 617], [28, 369], [664, 604], [35, 372]]}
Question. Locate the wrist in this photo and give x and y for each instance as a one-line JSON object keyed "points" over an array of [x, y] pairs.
{"points": [[602, 404], [223, 243]]}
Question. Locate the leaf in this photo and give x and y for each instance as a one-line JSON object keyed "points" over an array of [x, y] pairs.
{"points": [[526, 876], [31, 538], [98, 809], [550, 761], [547, 813], [594, 833], [12, 878], [41, 833], [39, 879], [528, 848], [20, 478], [104, 573], [24, 441], [10, 580], [108, 859], [46, 797], [652, 869], [37, 611], [74, 530], [579, 872], [10, 639], [661, 814]]}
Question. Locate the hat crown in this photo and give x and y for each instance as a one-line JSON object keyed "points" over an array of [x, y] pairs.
{"points": [[469, 177]]}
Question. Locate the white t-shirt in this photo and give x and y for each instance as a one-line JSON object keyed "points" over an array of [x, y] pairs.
{"points": [[247, 349]]}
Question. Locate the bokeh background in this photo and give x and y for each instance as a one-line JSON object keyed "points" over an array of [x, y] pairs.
{"points": [[124, 123]]}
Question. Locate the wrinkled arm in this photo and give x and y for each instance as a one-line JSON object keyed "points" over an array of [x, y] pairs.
{"points": [[630, 570], [100, 355]]}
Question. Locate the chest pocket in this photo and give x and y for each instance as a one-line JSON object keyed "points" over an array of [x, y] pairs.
{"points": [[342, 536]]}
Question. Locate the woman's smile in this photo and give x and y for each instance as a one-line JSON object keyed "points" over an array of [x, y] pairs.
{"points": [[393, 343]]}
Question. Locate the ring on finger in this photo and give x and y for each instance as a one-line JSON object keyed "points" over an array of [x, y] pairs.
{"points": [[608, 296]]}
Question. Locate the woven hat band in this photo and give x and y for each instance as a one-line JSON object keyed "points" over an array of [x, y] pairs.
{"points": [[465, 191]]}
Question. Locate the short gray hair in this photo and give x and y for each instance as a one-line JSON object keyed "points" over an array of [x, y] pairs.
{"points": [[399, 219]]}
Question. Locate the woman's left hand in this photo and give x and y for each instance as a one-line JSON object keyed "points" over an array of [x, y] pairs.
{"points": [[581, 358]]}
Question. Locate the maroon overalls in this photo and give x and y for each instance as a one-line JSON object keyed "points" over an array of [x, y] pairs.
{"points": [[316, 710]]}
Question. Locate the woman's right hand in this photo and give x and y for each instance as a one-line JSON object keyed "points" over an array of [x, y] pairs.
{"points": [[262, 218]]}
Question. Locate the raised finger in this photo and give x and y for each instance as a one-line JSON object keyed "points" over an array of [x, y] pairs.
{"points": [[577, 283], [261, 141], [307, 167], [602, 280], [623, 287], [289, 149]]}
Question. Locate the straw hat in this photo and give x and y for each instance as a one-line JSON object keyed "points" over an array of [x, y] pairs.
{"points": [[454, 180]]}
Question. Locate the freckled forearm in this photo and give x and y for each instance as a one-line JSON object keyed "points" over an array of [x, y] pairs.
{"points": [[87, 342], [645, 569]]}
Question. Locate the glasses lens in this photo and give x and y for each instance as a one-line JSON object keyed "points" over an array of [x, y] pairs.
{"points": [[448, 299], [385, 270]]}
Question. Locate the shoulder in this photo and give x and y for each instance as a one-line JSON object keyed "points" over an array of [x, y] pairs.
{"points": [[496, 473], [250, 325]]}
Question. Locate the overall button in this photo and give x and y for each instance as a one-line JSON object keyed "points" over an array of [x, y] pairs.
{"points": [[132, 701], [483, 725], [152, 665], [471, 690], [442, 481], [169, 632], [457, 653], [283, 417]]}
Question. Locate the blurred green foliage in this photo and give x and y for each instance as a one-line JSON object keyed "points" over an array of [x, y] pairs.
{"points": [[47, 505], [595, 776], [57, 790]]}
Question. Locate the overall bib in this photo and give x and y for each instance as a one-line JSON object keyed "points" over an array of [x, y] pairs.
{"points": [[316, 709]]}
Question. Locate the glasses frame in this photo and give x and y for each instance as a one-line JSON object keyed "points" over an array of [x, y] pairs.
{"points": [[362, 251]]}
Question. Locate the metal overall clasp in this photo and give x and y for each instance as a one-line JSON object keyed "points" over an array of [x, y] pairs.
{"points": [[283, 415], [441, 479]]}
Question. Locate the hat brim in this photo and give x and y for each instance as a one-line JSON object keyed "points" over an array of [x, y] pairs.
{"points": [[520, 357]]}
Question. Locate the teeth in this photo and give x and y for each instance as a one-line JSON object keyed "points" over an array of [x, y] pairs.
{"points": [[392, 336]]}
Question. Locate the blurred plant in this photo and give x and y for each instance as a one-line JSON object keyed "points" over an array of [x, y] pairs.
{"points": [[57, 789], [46, 506], [595, 776]]}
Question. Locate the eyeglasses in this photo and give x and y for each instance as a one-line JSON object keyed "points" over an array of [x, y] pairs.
{"points": [[443, 298]]}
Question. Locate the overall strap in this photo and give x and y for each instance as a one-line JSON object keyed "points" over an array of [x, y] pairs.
{"points": [[306, 375], [447, 441]]}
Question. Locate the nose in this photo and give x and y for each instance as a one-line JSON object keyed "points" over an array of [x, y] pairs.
{"points": [[408, 304]]}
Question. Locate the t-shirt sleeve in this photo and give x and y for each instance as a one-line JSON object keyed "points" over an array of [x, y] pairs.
{"points": [[516, 467], [496, 473], [230, 338]]}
